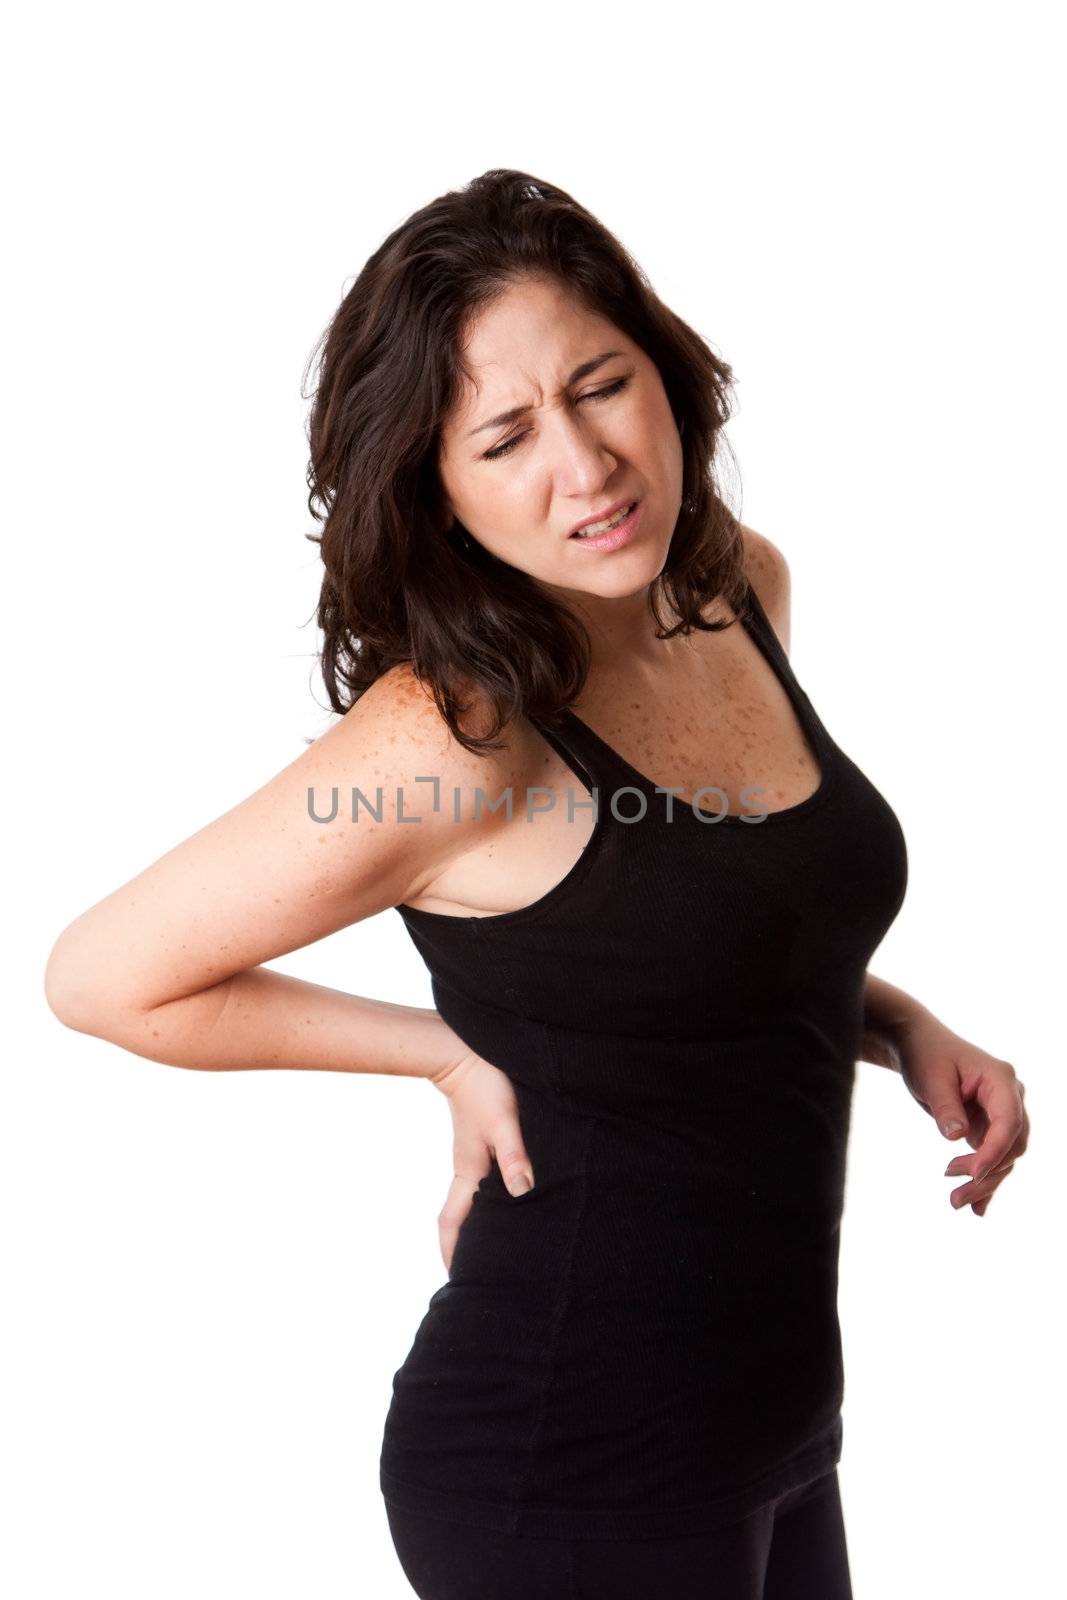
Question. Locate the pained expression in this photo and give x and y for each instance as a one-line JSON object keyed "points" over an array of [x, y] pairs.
{"points": [[520, 486]]}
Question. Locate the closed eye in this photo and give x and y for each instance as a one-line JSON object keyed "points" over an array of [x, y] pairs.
{"points": [[596, 394]]}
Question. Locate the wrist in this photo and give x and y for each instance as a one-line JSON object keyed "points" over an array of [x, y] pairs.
{"points": [[419, 1044], [890, 1027], [447, 1053], [907, 1026]]}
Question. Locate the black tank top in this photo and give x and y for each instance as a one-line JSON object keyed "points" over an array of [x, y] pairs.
{"points": [[647, 1342]]}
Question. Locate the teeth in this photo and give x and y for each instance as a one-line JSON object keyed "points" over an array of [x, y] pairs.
{"points": [[602, 527]]}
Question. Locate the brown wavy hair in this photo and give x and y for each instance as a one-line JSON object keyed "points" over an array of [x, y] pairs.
{"points": [[403, 585]]}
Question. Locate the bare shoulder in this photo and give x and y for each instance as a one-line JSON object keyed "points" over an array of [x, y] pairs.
{"points": [[399, 715], [396, 735], [767, 570], [399, 732]]}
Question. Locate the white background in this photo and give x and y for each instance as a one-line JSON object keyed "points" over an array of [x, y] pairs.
{"points": [[211, 1278]]}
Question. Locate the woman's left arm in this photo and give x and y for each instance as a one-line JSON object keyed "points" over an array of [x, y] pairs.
{"points": [[968, 1092]]}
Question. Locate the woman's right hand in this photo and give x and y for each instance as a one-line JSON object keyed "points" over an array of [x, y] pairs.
{"points": [[485, 1124]]}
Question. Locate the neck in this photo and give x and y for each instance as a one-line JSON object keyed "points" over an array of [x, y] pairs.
{"points": [[622, 632]]}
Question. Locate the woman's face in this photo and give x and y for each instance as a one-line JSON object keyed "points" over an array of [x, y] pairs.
{"points": [[575, 449]]}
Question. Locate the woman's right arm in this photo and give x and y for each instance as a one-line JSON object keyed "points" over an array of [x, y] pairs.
{"points": [[169, 965]]}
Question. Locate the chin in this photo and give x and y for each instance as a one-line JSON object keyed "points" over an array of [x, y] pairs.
{"points": [[615, 580]]}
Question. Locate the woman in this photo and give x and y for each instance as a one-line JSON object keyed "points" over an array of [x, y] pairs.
{"points": [[647, 884]]}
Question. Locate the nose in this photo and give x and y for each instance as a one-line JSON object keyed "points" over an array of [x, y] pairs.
{"points": [[581, 457]]}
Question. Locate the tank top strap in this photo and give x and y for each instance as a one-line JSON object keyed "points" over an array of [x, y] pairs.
{"points": [[759, 624], [593, 760]]}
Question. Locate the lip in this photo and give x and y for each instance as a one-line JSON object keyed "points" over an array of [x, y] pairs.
{"points": [[614, 537], [602, 516]]}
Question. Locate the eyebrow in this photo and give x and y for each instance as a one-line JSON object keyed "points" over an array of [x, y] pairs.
{"points": [[581, 371]]}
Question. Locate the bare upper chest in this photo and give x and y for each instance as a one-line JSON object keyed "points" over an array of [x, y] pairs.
{"points": [[721, 719]]}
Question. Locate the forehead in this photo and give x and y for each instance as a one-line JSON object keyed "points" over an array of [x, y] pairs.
{"points": [[520, 347]]}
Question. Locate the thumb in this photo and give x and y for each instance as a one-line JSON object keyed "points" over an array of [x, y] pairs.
{"points": [[939, 1094], [950, 1116], [515, 1167]]}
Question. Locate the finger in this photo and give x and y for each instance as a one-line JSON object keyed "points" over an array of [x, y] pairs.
{"points": [[453, 1214], [979, 1206], [949, 1114], [958, 1166], [976, 1190], [1000, 1101], [515, 1165], [973, 1128]]}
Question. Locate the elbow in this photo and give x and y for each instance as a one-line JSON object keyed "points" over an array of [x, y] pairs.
{"points": [[68, 996], [74, 989]]}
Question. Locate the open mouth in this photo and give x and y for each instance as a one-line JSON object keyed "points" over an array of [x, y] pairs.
{"points": [[597, 529]]}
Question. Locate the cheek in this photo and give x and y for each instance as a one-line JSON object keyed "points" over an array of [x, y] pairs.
{"points": [[503, 513], [493, 500], [668, 439], [656, 448], [654, 422]]}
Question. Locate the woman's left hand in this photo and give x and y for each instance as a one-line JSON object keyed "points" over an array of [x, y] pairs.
{"points": [[970, 1094]]}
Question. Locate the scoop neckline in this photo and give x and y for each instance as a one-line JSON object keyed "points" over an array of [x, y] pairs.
{"points": [[820, 741], [708, 819], [811, 727]]}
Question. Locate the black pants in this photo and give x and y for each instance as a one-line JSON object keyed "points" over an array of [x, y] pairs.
{"points": [[793, 1549]]}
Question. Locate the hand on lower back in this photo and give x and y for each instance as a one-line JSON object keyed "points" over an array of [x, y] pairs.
{"points": [[485, 1124]]}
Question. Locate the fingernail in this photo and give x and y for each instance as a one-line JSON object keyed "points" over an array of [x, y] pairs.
{"points": [[521, 1184], [951, 1127]]}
